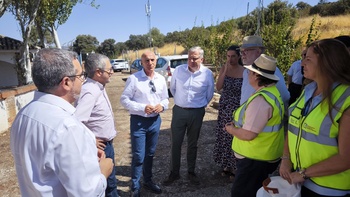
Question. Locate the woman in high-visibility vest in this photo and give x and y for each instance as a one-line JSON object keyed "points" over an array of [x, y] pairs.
{"points": [[317, 150], [257, 128]]}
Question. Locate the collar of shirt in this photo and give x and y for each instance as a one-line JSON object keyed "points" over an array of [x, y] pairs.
{"points": [[201, 69], [54, 100], [89, 80]]}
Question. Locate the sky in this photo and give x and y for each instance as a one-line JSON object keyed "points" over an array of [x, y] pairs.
{"points": [[118, 19]]}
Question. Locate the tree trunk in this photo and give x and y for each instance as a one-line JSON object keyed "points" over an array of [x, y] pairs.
{"points": [[55, 36]]}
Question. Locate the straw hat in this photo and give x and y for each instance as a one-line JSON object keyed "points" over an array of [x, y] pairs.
{"points": [[264, 65], [252, 41]]}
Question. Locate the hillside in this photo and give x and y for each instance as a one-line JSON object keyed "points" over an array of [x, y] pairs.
{"points": [[328, 27]]}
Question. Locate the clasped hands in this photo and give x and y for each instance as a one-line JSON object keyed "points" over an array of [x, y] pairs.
{"points": [[149, 109]]}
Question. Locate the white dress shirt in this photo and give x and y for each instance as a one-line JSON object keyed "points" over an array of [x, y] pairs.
{"points": [[54, 153], [247, 90], [95, 111], [138, 93], [192, 90]]}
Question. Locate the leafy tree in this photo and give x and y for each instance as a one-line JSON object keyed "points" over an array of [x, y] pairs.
{"points": [[25, 14], [121, 48], [137, 42], [279, 41], [158, 38], [108, 48], [85, 44]]}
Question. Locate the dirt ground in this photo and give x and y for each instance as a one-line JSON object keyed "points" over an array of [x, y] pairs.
{"points": [[212, 183]]}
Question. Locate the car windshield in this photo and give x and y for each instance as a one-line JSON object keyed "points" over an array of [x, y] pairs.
{"points": [[177, 62], [117, 61]]}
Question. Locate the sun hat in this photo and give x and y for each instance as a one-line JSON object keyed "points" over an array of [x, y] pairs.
{"points": [[264, 65], [276, 186], [252, 41]]}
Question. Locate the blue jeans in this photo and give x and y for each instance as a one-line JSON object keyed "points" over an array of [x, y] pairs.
{"points": [[111, 190], [144, 134]]}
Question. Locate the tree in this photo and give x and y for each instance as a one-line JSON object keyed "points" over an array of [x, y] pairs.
{"points": [[85, 44], [51, 14], [25, 14], [107, 48], [158, 38]]}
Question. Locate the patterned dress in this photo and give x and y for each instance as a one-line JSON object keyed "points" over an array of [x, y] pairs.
{"points": [[229, 101]]}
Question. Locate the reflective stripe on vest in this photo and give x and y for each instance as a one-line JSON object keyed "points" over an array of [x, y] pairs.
{"points": [[314, 137], [268, 145]]}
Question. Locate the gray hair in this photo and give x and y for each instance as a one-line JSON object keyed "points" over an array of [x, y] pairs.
{"points": [[50, 66], [93, 62], [197, 48]]}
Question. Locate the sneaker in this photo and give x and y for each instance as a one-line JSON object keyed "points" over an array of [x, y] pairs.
{"points": [[152, 187], [172, 177], [193, 178], [135, 193]]}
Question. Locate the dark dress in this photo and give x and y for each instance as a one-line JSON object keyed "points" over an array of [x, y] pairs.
{"points": [[229, 101]]}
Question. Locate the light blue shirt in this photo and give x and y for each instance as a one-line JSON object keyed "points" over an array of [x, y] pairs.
{"points": [[192, 90], [138, 93], [247, 90], [54, 153], [95, 111], [295, 72]]}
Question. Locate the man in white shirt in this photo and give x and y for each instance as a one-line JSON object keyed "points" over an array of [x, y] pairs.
{"points": [[54, 153], [251, 49], [95, 111], [145, 96], [192, 86]]}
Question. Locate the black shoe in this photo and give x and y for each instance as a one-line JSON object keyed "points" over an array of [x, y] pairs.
{"points": [[152, 187], [172, 177], [193, 178], [135, 193]]}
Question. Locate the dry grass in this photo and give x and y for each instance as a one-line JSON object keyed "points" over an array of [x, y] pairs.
{"points": [[168, 49], [329, 27]]}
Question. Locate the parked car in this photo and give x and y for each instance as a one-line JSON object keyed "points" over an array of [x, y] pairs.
{"points": [[167, 64], [119, 64], [136, 66]]}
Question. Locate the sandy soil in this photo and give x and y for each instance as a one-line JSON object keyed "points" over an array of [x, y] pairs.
{"points": [[212, 183]]}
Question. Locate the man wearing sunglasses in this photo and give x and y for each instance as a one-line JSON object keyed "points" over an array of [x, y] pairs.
{"points": [[145, 96], [54, 153], [95, 111]]}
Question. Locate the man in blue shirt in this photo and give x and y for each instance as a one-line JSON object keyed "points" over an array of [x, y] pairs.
{"points": [[192, 86]]}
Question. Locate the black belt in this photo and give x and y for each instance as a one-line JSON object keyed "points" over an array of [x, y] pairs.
{"points": [[189, 108]]}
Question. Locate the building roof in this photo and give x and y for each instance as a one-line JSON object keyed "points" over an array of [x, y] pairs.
{"points": [[7, 43]]}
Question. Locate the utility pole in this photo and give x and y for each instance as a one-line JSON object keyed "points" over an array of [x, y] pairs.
{"points": [[148, 14], [260, 10]]}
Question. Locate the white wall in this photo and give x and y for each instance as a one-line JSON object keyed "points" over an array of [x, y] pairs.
{"points": [[19, 102]]}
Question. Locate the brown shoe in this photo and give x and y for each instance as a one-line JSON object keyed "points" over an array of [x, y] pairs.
{"points": [[193, 178], [172, 177]]}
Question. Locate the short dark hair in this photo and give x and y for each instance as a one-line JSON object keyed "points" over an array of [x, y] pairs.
{"points": [[344, 39]]}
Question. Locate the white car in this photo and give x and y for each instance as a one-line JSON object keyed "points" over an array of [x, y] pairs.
{"points": [[119, 64], [167, 64]]}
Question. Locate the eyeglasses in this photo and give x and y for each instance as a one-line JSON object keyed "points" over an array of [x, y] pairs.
{"points": [[194, 59], [243, 52], [109, 72], [152, 86], [82, 77]]}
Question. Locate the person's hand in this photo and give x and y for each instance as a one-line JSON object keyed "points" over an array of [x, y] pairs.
{"points": [[101, 154], [229, 127], [158, 108], [295, 177], [100, 145], [106, 166], [285, 169], [149, 109]]}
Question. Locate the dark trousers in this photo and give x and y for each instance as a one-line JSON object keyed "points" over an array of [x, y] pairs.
{"points": [[294, 91], [249, 176], [144, 134], [183, 120], [111, 190]]}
